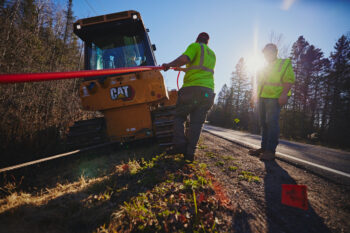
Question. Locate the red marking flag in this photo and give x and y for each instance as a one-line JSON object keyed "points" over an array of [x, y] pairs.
{"points": [[295, 196]]}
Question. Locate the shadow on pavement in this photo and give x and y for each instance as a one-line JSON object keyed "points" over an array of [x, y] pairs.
{"points": [[281, 218]]}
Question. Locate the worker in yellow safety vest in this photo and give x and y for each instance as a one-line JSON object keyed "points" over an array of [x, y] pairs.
{"points": [[196, 95], [274, 88]]}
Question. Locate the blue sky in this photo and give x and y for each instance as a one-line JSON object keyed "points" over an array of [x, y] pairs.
{"points": [[231, 24]]}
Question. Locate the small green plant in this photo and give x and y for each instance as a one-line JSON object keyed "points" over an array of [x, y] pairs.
{"points": [[210, 155], [202, 168], [220, 163], [134, 167], [191, 184], [227, 157], [232, 168], [248, 176], [202, 180], [165, 213]]}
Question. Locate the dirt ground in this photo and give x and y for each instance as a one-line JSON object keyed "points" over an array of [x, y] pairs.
{"points": [[83, 193], [259, 202]]}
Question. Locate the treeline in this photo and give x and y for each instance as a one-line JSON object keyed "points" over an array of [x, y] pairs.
{"points": [[37, 36], [319, 108]]}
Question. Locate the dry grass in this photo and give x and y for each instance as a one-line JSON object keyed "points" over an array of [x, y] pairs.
{"points": [[16, 199], [89, 193]]}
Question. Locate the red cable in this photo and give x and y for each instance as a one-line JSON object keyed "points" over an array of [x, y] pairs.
{"points": [[36, 77], [178, 80]]}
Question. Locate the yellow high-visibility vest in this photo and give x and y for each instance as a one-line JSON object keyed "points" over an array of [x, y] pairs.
{"points": [[272, 77], [200, 70]]}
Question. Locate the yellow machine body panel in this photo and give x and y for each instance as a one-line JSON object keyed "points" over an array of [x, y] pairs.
{"points": [[123, 91], [126, 102], [129, 123]]}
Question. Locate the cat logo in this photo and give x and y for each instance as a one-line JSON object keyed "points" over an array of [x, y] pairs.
{"points": [[124, 93]]}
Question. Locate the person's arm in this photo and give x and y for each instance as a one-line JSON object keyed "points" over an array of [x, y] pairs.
{"points": [[282, 100], [180, 61], [288, 81]]}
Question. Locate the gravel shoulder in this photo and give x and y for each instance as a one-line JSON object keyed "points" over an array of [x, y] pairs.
{"points": [[139, 188], [258, 201]]}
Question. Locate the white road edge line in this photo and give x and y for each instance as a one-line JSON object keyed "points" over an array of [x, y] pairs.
{"points": [[247, 144]]}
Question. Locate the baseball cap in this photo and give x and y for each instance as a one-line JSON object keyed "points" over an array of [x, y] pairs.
{"points": [[203, 36]]}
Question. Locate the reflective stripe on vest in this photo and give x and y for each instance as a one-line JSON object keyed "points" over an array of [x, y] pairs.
{"points": [[276, 84], [201, 61]]}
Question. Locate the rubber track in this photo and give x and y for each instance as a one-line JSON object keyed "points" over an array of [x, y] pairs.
{"points": [[163, 121]]}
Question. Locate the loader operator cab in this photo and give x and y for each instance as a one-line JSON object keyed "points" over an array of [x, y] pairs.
{"points": [[115, 41]]}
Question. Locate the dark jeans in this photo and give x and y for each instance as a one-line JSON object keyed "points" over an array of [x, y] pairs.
{"points": [[269, 113], [194, 102]]}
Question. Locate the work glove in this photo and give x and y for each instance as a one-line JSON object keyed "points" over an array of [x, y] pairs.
{"points": [[166, 66]]}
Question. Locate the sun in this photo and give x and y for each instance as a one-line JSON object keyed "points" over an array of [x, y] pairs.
{"points": [[254, 63]]}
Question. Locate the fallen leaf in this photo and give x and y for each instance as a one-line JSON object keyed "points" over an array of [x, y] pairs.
{"points": [[182, 218], [201, 197], [125, 167]]}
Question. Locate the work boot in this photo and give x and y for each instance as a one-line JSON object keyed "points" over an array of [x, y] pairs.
{"points": [[256, 152], [267, 156]]}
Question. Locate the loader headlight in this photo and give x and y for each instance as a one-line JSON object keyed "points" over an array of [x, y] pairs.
{"points": [[92, 87]]}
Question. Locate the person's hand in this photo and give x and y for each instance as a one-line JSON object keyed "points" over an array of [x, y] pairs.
{"points": [[283, 100], [166, 66]]}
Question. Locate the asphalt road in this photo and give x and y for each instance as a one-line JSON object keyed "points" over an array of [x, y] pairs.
{"points": [[334, 159]]}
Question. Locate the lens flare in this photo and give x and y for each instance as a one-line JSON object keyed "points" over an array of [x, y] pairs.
{"points": [[255, 60], [286, 4]]}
